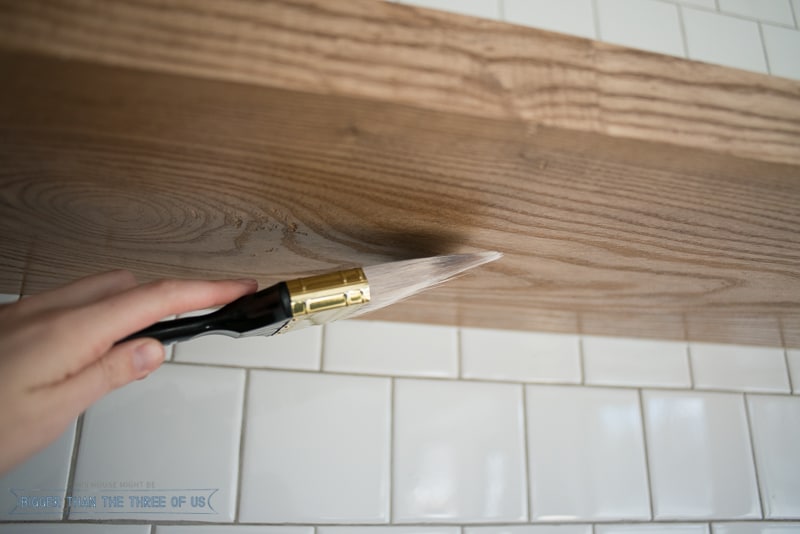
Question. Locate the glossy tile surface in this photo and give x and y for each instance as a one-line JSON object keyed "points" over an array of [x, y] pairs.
{"points": [[402, 349], [793, 359], [586, 451], [613, 361], [65, 528], [701, 463], [520, 356], [316, 449], [778, 11], [646, 24], [671, 528], [47, 470], [762, 527], [294, 350], [530, 529], [231, 529], [459, 453], [742, 368], [723, 40], [178, 429], [575, 17], [6, 298], [388, 530], [775, 425], [708, 4], [783, 47]]}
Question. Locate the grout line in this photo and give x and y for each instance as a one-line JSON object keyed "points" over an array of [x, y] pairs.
{"points": [[323, 336], [581, 361], [764, 47], [716, 5], [596, 17], [242, 427], [684, 38], [391, 447], [73, 462], [481, 380], [785, 355], [459, 356], [528, 496], [729, 14], [646, 458], [689, 363], [753, 453], [610, 522], [794, 15], [153, 529]]}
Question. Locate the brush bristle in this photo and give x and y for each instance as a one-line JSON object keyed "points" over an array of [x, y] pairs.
{"points": [[392, 282]]}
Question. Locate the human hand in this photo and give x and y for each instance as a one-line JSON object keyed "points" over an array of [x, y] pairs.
{"points": [[57, 352]]}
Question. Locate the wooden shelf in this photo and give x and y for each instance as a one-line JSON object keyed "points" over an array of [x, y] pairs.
{"points": [[633, 194]]}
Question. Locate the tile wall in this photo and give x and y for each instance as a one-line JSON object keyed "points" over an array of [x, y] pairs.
{"points": [[377, 428], [757, 35]]}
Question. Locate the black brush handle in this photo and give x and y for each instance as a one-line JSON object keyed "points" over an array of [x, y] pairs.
{"points": [[266, 311]]}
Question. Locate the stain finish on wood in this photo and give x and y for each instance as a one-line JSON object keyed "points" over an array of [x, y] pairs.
{"points": [[137, 143], [172, 176], [425, 58]]}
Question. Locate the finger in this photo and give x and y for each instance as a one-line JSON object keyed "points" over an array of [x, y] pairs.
{"points": [[84, 291], [93, 329], [121, 365]]}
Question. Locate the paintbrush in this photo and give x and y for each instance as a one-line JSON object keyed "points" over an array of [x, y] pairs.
{"points": [[320, 299]]}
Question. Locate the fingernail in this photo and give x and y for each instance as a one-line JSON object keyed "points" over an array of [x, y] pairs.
{"points": [[147, 357]]}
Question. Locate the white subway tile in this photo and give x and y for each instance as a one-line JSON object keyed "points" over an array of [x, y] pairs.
{"points": [[459, 453], [487, 9], [6, 298], [778, 11], [586, 454], [42, 475], [701, 464], [388, 530], [775, 425], [66, 528], [520, 356], [663, 528], [635, 362], [793, 358], [178, 428], [783, 50], [316, 449], [724, 40], [575, 17], [738, 367], [708, 4], [530, 529], [761, 527], [400, 349], [647, 24], [231, 529], [295, 350]]}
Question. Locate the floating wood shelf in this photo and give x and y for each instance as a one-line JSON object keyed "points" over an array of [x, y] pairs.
{"points": [[632, 193]]}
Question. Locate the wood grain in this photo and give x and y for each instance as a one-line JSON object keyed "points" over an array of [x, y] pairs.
{"points": [[104, 167], [428, 59]]}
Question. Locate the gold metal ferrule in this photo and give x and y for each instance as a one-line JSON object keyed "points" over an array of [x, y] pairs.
{"points": [[326, 297]]}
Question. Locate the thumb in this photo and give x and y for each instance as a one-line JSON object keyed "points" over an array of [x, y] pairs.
{"points": [[121, 365]]}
